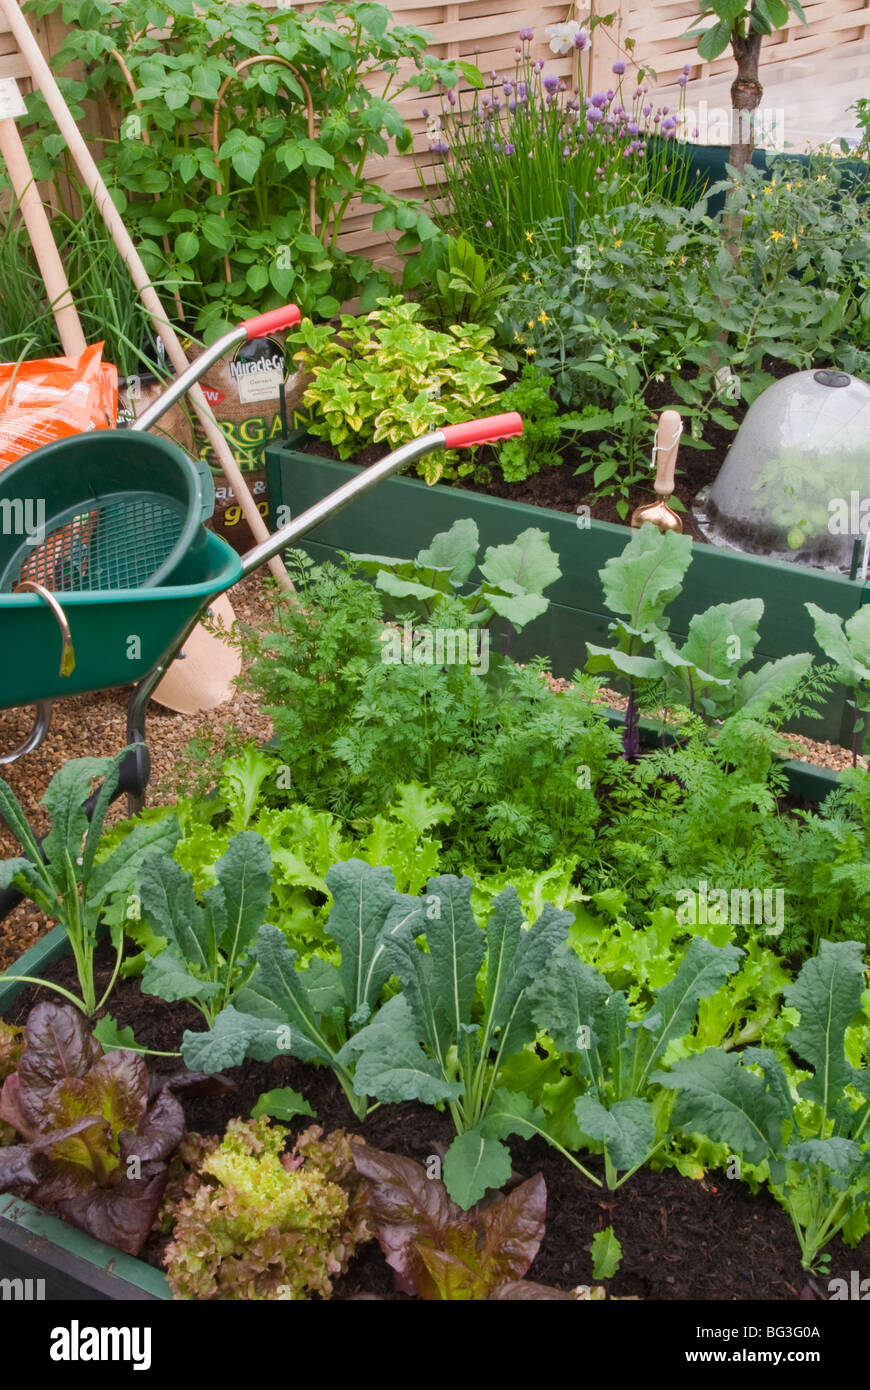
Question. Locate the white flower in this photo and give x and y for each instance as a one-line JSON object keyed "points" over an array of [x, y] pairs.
{"points": [[562, 36], [433, 127]]}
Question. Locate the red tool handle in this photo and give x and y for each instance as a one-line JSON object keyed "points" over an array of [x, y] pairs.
{"points": [[276, 319], [485, 431]]}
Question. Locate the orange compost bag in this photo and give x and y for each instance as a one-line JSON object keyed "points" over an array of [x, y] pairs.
{"points": [[53, 398]]}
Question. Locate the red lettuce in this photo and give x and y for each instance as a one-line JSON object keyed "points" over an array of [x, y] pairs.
{"points": [[94, 1144], [441, 1252]]}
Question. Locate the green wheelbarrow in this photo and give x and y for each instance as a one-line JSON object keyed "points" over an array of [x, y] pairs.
{"points": [[106, 565]]}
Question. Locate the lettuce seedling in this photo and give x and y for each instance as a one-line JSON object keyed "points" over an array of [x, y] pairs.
{"points": [[94, 1146], [64, 878], [440, 1252], [815, 1137], [256, 1223], [615, 1054]]}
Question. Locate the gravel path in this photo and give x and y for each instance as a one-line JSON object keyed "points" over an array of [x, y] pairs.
{"points": [[95, 726]]}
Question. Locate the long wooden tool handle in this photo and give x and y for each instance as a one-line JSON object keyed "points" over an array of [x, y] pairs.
{"points": [[667, 444], [39, 229], [44, 78]]}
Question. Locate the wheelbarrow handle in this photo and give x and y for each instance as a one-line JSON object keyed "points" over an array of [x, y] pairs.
{"points": [[257, 327], [461, 436]]}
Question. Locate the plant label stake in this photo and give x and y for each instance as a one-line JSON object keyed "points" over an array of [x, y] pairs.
{"points": [[664, 457]]}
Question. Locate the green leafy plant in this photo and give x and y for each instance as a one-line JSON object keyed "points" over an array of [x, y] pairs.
{"points": [[353, 725], [438, 1040], [257, 1223], [62, 875], [434, 586], [703, 674], [606, 1253], [546, 432], [206, 949], [311, 1014], [848, 646], [94, 1139], [442, 1253], [255, 222], [613, 1055], [814, 1137], [386, 376], [454, 283]]}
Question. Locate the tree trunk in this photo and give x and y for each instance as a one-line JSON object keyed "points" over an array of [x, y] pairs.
{"points": [[746, 94]]}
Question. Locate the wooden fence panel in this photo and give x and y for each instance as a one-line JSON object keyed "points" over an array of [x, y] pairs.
{"points": [[484, 31]]}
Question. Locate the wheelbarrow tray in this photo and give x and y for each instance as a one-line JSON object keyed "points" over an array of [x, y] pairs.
{"points": [[118, 635]]}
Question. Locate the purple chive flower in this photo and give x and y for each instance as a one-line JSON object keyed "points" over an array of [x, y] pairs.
{"points": [[656, 118], [526, 35], [512, 106], [484, 100], [522, 91], [487, 224], [493, 76], [540, 65], [581, 38], [567, 151], [647, 111], [695, 133], [687, 71], [589, 127], [665, 110], [669, 125], [682, 80], [425, 113], [638, 94], [509, 149], [610, 94], [598, 100], [507, 88], [632, 127], [551, 83], [600, 172], [593, 116], [618, 67], [439, 147]]}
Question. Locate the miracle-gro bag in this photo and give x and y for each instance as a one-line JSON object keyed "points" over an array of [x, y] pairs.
{"points": [[53, 398]]}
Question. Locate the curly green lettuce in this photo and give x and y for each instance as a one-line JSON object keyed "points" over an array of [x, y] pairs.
{"points": [[258, 1223]]}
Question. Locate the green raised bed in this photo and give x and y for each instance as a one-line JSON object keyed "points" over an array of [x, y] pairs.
{"points": [[402, 514], [35, 1245]]}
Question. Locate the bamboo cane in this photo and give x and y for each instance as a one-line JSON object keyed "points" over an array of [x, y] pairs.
{"points": [[44, 80], [36, 221]]}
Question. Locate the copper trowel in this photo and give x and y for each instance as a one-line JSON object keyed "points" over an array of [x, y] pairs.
{"points": [[667, 442]]}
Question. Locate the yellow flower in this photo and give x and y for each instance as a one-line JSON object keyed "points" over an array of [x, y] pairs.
{"points": [[788, 186], [618, 243], [531, 323], [794, 242], [518, 338], [776, 235], [543, 318], [525, 275], [530, 236], [530, 352]]}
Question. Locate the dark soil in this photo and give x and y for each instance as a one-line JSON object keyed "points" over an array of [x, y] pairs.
{"points": [[562, 489], [682, 1239]]}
